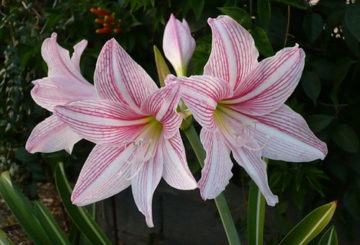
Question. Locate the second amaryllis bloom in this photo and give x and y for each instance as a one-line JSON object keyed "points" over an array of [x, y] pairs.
{"points": [[178, 44], [136, 130], [63, 84], [239, 102]]}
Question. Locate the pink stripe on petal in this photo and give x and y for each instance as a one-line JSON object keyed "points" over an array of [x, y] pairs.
{"points": [[162, 104], [233, 52], [144, 184], [256, 168], [51, 135], [104, 174], [176, 171], [201, 94], [119, 78], [102, 122], [287, 137], [217, 166], [270, 83]]}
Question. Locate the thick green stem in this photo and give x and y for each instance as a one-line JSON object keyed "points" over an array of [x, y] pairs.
{"points": [[220, 200]]}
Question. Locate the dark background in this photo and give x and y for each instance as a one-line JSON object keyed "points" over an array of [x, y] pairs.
{"points": [[327, 96]]}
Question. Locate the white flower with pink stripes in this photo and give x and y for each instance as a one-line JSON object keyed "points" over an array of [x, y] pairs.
{"points": [[239, 103], [63, 84], [136, 130]]}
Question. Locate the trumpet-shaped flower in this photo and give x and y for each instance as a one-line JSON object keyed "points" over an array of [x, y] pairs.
{"points": [[239, 102], [136, 130], [178, 44], [63, 84]]}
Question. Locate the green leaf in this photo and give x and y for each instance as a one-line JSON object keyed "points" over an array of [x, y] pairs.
{"points": [[262, 42], [197, 7], [79, 215], [264, 12], [238, 14], [352, 19], [22, 210], [318, 122], [346, 138], [49, 224], [294, 3], [313, 25], [255, 215], [329, 238], [161, 66], [4, 240], [311, 85], [340, 71], [310, 226]]}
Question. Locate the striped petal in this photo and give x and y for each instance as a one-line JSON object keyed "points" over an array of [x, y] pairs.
{"points": [[59, 62], [50, 92], [102, 122], [105, 173], [233, 52], [119, 78], [270, 83], [162, 104], [176, 171], [144, 184], [217, 166], [51, 135], [202, 94], [256, 168], [286, 136]]}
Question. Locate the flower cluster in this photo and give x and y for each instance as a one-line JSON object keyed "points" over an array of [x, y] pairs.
{"points": [[238, 101], [108, 22]]}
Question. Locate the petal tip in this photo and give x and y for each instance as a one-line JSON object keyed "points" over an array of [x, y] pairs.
{"points": [[272, 201]]}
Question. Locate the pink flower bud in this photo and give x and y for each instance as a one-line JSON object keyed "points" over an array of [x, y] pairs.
{"points": [[178, 44]]}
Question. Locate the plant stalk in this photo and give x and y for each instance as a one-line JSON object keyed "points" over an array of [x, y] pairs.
{"points": [[220, 200]]}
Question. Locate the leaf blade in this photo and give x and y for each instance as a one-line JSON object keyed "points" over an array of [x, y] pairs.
{"points": [[310, 226], [255, 215]]}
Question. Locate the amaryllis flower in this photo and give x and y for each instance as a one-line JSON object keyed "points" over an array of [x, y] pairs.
{"points": [[63, 84], [136, 131], [239, 102], [178, 44]]}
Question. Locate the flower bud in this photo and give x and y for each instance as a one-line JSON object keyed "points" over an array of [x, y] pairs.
{"points": [[178, 44]]}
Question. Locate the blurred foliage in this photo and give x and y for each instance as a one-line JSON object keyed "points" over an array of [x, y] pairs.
{"points": [[327, 95]]}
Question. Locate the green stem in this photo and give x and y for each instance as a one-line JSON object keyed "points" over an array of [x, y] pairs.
{"points": [[220, 200]]}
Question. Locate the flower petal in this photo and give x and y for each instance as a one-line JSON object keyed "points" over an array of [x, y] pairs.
{"points": [[201, 94], [59, 63], [144, 184], [162, 104], [217, 166], [270, 83], [51, 135], [256, 168], [78, 50], [178, 44], [102, 122], [50, 92], [104, 174], [176, 171], [233, 52], [119, 78], [286, 136]]}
